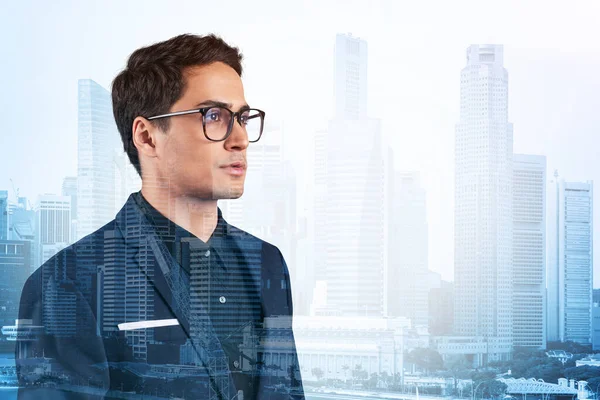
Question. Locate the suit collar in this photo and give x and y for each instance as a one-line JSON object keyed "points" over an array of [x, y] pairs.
{"points": [[141, 238], [167, 228]]}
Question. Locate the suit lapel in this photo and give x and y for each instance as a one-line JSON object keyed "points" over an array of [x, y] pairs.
{"points": [[167, 279]]}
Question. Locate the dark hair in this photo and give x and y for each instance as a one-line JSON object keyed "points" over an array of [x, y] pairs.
{"points": [[154, 80]]}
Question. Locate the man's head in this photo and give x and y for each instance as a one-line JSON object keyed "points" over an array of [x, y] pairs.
{"points": [[183, 73]]}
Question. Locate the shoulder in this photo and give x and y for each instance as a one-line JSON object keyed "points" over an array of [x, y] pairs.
{"points": [[65, 262], [271, 256], [246, 237]]}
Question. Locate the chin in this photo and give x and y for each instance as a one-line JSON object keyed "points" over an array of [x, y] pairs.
{"points": [[230, 193]]}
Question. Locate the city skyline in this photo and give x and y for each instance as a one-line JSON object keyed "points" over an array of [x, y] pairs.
{"points": [[268, 156], [416, 100], [358, 253]]}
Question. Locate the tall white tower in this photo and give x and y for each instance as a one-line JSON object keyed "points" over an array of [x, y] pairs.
{"points": [[355, 182], [97, 139], [570, 262], [408, 275], [350, 77], [483, 202], [529, 251]]}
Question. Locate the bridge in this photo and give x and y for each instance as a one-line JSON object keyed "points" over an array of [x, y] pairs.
{"points": [[539, 388]]}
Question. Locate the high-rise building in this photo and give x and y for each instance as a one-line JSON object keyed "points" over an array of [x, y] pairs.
{"points": [[356, 177], [97, 139], [3, 215], [570, 261], [350, 77], [408, 275], [15, 267], [483, 203], [53, 216], [69, 188], [441, 309], [529, 251], [596, 326], [22, 226], [319, 225]]}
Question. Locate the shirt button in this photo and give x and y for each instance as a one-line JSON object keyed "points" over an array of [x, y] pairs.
{"points": [[236, 363], [207, 253], [222, 299]]}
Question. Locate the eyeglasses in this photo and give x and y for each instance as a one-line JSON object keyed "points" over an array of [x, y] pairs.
{"points": [[217, 122]]}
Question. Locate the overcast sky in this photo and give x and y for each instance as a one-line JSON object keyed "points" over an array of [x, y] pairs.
{"points": [[416, 52]]}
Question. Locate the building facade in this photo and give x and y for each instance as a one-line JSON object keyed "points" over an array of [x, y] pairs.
{"points": [[570, 262], [97, 139], [408, 275], [529, 251], [53, 217], [483, 202]]}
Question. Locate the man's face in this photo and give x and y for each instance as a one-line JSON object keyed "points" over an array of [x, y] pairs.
{"points": [[192, 165]]}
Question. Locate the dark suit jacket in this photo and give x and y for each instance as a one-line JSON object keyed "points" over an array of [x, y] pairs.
{"points": [[122, 273]]}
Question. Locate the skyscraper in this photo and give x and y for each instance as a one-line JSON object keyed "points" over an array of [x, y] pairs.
{"points": [[350, 77], [408, 293], [356, 182], [69, 188], [53, 216], [570, 262], [483, 202], [529, 251], [15, 267], [22, 226], [97, 139]]}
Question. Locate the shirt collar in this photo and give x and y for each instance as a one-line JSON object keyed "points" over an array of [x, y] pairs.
{"points": [[165, 227]]}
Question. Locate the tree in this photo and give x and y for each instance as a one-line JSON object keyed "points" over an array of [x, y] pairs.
{"points": [[585, 373], [457, 367], [359, 373], [493, 388], [372, 382], [386, 378], [346, 368], [571, 347], [292, 369], [425, 358], [318, 372]]}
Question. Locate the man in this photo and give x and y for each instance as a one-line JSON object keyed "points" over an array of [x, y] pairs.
{"points": [[167, 299]]}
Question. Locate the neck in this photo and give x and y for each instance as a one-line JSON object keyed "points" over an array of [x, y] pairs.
{"points": [[198, 216]]}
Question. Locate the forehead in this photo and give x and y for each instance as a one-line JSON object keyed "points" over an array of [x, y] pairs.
{"points": [[216, 81]]}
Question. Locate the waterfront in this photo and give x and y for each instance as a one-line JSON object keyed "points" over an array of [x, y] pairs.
{"points": [[7, 392]]}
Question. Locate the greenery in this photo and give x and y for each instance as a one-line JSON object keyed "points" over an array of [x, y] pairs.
{"points": [[457, 367], [318, 372], [426, 359], [525, 363], [587, 373]]}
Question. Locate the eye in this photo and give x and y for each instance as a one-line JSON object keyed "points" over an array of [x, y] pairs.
{"points": [[213, 115], [244, 118]]}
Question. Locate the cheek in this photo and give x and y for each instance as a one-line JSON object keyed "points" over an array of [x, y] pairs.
{"points": [[192, 157]]}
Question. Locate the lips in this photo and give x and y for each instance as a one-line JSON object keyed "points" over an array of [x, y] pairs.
{"points": [[237, 164], [237, 168]]}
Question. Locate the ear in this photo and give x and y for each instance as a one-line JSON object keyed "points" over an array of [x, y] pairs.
{"points": [[144, 137]]}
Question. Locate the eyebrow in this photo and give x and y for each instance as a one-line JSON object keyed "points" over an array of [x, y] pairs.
{"points": [[217, 103]]}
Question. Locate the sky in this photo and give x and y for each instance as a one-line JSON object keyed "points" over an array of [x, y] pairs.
{"points": [[416, 52]]}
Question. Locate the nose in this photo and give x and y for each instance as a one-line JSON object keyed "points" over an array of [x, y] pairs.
{"points": [[238, 139]]}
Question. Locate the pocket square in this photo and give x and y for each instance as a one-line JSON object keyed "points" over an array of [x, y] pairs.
{"points": [[127, 326]]}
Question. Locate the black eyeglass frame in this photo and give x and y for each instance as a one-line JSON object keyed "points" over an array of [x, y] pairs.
{"points": [[235, 116]]}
